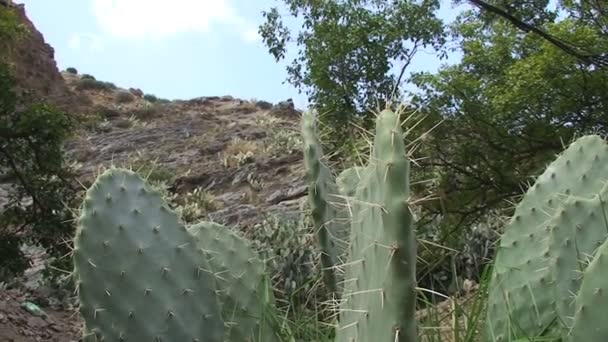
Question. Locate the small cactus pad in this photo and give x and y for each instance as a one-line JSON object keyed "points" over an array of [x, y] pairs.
{"points": [[331, 220], [521, 302], [378, 302], [577, 231], [592, 301], [140, 275], [244, 289]]}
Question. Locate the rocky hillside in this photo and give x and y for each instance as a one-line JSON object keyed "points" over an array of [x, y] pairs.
{"points": [[244, 155], [35, 67]]}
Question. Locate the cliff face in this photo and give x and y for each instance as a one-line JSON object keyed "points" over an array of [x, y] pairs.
{"points": [[35, 68]]}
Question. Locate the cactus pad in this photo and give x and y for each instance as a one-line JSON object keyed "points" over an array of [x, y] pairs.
{"points": [[244, 289], [331, 220], [378, 302], [521, 302], [139, 273], [592, 300], [577, 231]]}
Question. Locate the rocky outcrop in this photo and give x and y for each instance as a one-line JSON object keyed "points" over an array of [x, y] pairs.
{"points": [[35, 68]]}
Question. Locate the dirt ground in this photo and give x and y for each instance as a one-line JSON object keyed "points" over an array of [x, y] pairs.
{"points": [[19, 325]]}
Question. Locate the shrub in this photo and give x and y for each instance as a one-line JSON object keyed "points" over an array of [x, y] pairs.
{"points": [[146, 112], [72, 70], [91, 84], [31, 156], [150, 98], [264, 105], [195, 204], [110, 85], [87, 77], [290, 252], [124, 97], [239, 152]]}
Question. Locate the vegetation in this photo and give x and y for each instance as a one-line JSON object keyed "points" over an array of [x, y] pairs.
{"points": [[488, 123], [87, 77], [539, 287], [532, 77], [31, 158], [72, 71], [38, 211], [92, 84], [151, 98], [10, 31], [124, 97]]}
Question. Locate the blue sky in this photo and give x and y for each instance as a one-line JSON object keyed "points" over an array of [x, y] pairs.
{"points": [[175, 49]]}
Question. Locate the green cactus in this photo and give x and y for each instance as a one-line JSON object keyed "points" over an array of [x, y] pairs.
{"points": [[521, 302], [378, 303], [348, 181], [139, 274], [591, 301], [244, 289], [328, 208], [577, 231]]}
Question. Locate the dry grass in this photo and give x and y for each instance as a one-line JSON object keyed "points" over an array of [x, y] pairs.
{"points": [[238, 152]]}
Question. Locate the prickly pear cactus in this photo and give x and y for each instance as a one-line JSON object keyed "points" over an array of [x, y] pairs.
{"points": [[331, 221], [378, 303], [244, 289], [140, 275], [577, 231], [348, 180], [521, 302], [592, 301]]}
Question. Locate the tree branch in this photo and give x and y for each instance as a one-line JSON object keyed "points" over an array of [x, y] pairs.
{"points": [[597, 60]]}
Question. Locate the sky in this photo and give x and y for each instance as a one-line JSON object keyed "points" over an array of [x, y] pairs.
{"points": [[177, 49]]}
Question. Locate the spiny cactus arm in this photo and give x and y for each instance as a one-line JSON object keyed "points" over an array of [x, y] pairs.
{"points": [[243, 286], [379, 296], [139, 273], [330, 221], [521, 301]]}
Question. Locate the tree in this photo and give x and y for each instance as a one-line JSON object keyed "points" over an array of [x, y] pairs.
{"points": [[505, 109], [512, 103], [32, 134], [349, 49]]}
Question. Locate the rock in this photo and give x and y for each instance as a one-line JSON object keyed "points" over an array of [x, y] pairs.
{"points": [[281, 195], [240, 213], [285, 109]]}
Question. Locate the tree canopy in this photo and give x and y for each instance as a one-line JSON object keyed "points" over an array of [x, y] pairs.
{"points": [[512, 101]]}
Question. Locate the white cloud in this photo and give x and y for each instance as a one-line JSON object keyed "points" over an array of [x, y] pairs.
{"points": [[251, 35], [85, 40], [163, 18]]}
